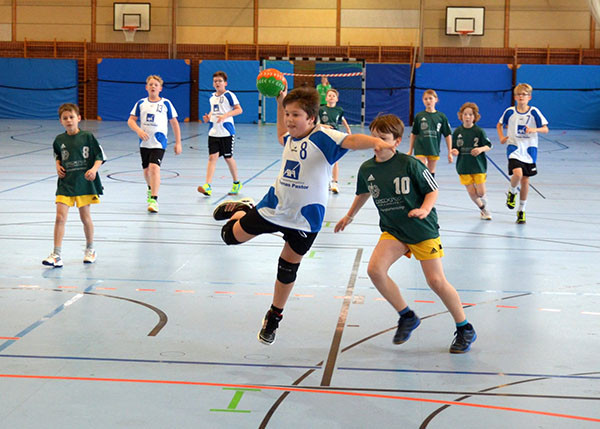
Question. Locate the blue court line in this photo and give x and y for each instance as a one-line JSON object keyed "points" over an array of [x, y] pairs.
{"points": [[24, 153], [40, 321], [250, 179], [27, 184], [508, 178]]}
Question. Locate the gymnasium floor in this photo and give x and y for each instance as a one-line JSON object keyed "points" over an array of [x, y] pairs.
{"points": [[161, 330]]}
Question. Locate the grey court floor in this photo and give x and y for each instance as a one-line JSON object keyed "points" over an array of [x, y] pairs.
{"points": [[161, 331]]}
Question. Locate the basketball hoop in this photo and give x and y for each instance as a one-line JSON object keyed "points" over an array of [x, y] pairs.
{"points": [[465, 37], [129, 32]]}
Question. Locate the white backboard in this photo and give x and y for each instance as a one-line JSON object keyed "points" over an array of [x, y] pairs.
{"points": [[465, 19], [127, 14]]}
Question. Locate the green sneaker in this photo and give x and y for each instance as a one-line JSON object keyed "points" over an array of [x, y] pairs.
{"points": [[521, 217], [148, 195], [510, 200], [205, 189], [235, 189], [152, 205]]}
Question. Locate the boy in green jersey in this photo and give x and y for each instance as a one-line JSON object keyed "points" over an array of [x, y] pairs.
{"points": [[469, 144], [428, 128], [330, 116], [78, 157], [404, 192]]}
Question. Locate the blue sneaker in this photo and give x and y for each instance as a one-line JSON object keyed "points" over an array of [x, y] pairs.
{"points": [[405, 327], [463, 338]]}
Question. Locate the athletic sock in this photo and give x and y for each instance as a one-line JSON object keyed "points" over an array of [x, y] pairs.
{"points": [[57, 250], [89, 246], [236, 183], [406, 313], [276, 310], [479, 203], [154, 197], [512, 190], [522, 204], [484, 199], [462, 324]]}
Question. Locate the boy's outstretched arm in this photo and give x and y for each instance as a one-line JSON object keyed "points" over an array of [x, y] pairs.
{"points": [[177, 133], [357, 204], [363, 141], [426, 207], [281, 128]]}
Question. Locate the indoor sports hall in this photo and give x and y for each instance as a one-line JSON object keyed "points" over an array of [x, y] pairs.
{"points": [[161, 330]]}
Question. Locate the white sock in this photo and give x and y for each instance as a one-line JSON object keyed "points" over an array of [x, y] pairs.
{"points": [[484, 200], [512, 190], [522, 205]]}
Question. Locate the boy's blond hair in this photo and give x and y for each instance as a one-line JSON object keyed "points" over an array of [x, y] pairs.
{"points": [[307, 98], [388, 124], [523, 87], [220, 74], [431, 92], [68, 107], [335, 91], [473, 107], [156, 78]]}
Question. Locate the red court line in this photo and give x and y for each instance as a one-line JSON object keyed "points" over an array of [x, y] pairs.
{"points": [[301, 390], [507, 306], [226, 293], [426, 302], [67, 287], [468, 303], [146, 290], [184, 291], [10, 338], [106, 288], [264, 293]]}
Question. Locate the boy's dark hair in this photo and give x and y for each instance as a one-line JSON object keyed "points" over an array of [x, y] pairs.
{"points": [[388, 124], [68, 107], [307, 98], [220, 74]]}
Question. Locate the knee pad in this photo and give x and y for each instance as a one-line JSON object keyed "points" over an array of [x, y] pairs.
{"points": [[286, 271], [227, 233]]}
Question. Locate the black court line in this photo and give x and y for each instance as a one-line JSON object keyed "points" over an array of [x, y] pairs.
{"points": [[341, 323], [437, 412]]}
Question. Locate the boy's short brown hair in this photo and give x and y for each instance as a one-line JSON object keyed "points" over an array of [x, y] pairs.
{"points": [[156, 78], [220, 74], [337, 93], [388, 124], [307, 98], [432, 92], [523, 87], [68, 107], [473, 107]]}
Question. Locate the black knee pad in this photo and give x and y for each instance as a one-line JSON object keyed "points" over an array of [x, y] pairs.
{"points": [[286, 271], [227, 233]]}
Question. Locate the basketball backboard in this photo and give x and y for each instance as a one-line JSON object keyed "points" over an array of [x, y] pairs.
{"points": [[465, 19], [131, 15]]}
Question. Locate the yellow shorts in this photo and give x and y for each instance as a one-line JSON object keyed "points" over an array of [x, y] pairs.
{"points": [[429, 157], [81, 200], [469, 179], [428, 249]]}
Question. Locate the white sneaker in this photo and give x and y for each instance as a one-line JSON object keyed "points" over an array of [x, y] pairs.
{"points": [[485, 214], [53, 260], [333, 187], [90, 256]]}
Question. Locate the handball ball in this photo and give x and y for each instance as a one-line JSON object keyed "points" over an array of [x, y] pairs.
{"points": [[270, 82]]}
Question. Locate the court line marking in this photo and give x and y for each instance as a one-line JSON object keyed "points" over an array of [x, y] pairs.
{"points": [[303, 390]]}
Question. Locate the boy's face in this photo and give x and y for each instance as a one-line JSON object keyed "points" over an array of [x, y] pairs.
{"points": [[522, 97], [429, 101], [468, 117], [153, 87], [331, 98], [219, 84], [70, 120], [385, 154], [298, 123]]}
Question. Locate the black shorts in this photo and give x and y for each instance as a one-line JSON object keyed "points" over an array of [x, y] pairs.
{"points": [[151, 156], [299, 241], [528, 169], [223, 145]]}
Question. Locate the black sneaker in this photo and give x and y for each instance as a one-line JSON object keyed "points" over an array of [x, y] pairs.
{"points": [[463, 338], [270, 325], [510, 200], [521, 217], [405, 327], [227, 208]]}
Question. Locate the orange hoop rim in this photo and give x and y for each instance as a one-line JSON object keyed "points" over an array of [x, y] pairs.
{"points": [[129, 27], [465, 32]]}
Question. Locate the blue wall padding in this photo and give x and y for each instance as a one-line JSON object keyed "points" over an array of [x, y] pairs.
{"points": [[568, 96], [241, 80], [35, 88], [349, 87], [122, 82], [387, 91], [270, 105], [487, 85]]}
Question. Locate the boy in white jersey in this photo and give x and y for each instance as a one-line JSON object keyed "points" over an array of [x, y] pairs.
{"points": [[295, 204], [224, 105], [155, 114], [404, 192], [523, 122]]}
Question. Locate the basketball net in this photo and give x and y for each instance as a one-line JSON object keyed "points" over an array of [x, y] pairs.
{"points": [[129, 32], [465, 37]]}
